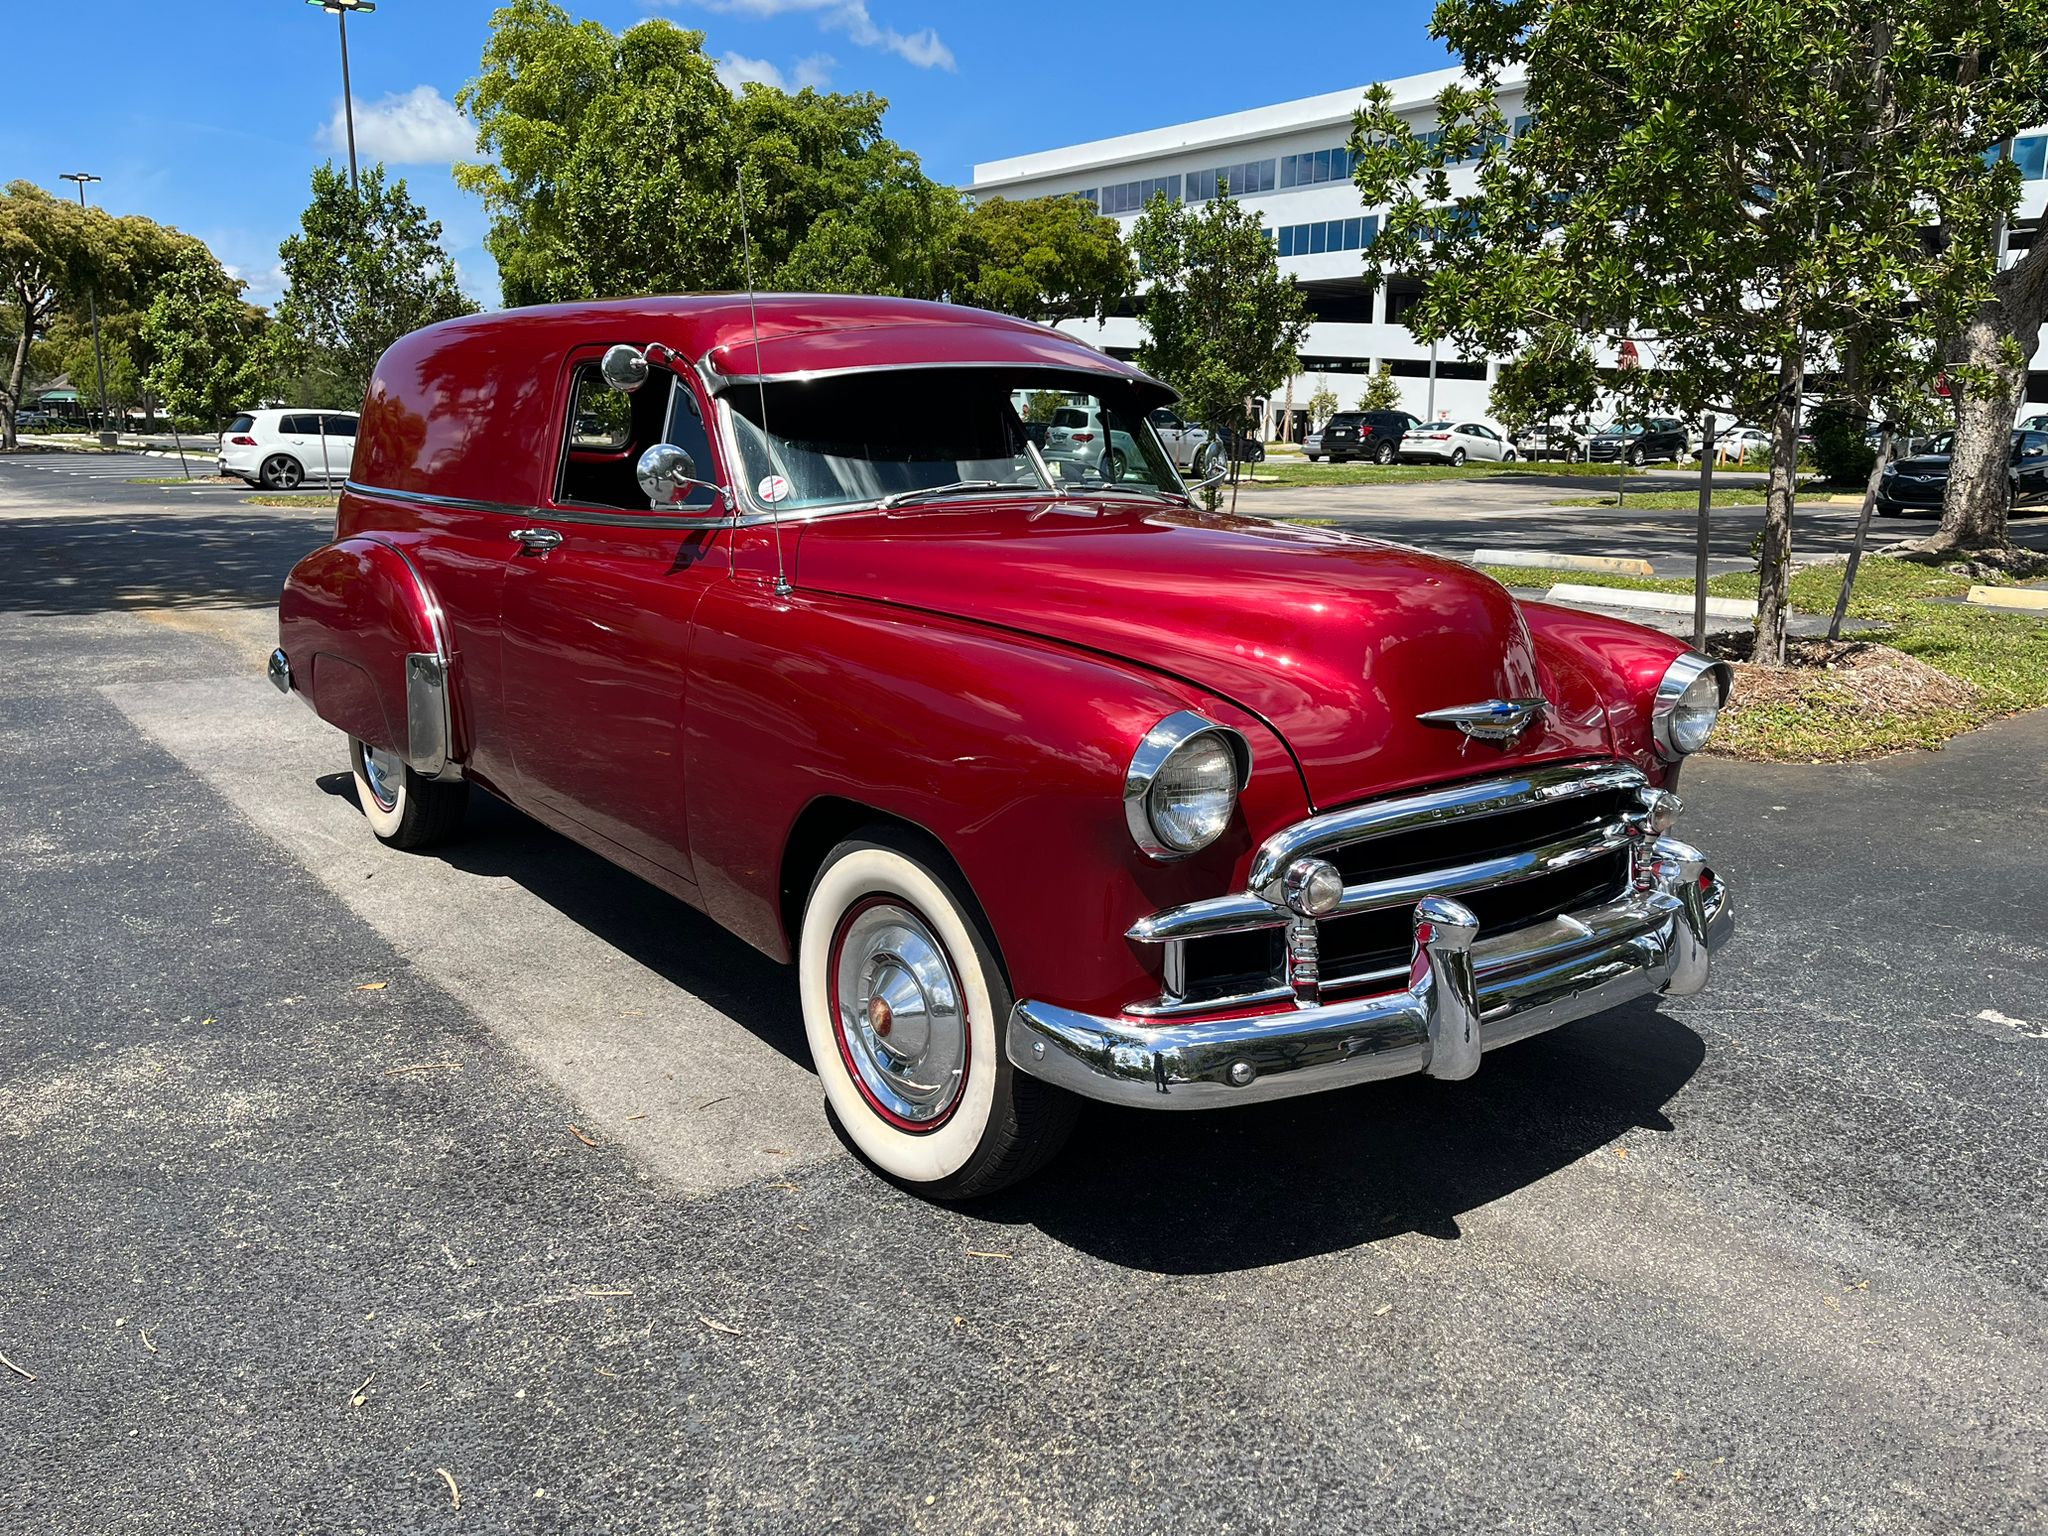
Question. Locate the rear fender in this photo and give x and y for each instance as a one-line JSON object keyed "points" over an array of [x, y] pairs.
{"points": [[367, 647]]}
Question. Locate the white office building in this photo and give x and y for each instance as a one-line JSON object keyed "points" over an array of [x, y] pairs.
{"points": [[1289, 164]]}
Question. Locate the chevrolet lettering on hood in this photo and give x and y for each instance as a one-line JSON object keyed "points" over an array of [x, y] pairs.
{"points": [[891, 637]]}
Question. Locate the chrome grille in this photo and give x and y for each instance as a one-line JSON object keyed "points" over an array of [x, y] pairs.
{"points": [[1517, 851]]}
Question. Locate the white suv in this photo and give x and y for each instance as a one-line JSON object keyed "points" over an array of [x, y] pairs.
{"points": [[284, 447]]}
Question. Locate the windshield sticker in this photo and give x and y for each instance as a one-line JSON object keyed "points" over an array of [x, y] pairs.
{"points": [[773, 488]]}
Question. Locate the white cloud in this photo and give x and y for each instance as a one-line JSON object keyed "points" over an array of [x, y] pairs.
{"points": [[924, 47], [415, 127], [814, 71]]}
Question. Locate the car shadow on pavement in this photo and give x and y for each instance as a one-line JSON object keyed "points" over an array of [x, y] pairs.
{"points": [[146, 559], [1240, 1189], [646, 925]]}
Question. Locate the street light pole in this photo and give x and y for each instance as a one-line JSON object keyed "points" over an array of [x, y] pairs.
{"points": [[99, 360], [339, 10]]}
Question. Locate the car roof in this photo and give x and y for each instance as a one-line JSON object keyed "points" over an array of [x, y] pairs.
{"points": [[740, 337]]}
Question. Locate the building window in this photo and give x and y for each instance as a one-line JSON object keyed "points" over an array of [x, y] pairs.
{"points": [[1132, 196], [1315, 167], [2031, 155], [1328, 235], [1237, 180]]}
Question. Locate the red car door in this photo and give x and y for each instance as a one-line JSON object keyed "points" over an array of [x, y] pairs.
{"points": [[597, 606]]}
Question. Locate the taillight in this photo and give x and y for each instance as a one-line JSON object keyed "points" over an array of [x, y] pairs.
{"points": [[243, 442], [1084, 437]]}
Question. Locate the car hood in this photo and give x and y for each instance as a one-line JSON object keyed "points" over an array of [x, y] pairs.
{"points": [[1922, 464], [1337, 642]]}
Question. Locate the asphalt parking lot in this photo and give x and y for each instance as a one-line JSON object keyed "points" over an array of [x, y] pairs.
{"points": [[302, 1229]]}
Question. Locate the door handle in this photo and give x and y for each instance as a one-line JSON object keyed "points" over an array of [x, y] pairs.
{"points": [[537, 540]]}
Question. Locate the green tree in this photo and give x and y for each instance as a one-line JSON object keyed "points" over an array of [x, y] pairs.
{"points": [[202, 341], [616, 161], [1730, 180], [1554, 377], [367, 268], [54, 254], [1040, 258], [1221, 324], [1322, 405], [1381, 393]]}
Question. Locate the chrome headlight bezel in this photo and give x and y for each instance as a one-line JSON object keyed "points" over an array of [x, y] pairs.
{"points": [[1679, 678], [1174, 734]]}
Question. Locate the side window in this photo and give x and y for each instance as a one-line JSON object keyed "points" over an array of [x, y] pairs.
{"points": [[686, 430], [606, 433], [341, 426], [296, 426]]}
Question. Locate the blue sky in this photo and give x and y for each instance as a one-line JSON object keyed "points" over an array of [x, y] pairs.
{"points": [[211, 116]]}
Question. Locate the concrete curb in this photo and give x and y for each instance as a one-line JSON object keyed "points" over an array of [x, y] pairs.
{"points": [[1660, 602], [1542, 560], [2030, 599]]}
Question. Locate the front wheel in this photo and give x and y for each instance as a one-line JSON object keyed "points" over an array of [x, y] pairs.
{"points": [[1635, 458], [906, 1011], [1457, 458], [404, 809], [1508, 457]]}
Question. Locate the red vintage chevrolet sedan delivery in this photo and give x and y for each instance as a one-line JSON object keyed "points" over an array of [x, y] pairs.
{"points": [[886, 634]]}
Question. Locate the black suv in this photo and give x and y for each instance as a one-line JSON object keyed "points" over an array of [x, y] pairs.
{"points": [[1374, 435], [1655, 437]]}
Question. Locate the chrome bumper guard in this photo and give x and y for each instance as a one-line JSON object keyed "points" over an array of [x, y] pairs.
{"points": [[1465, 995]]}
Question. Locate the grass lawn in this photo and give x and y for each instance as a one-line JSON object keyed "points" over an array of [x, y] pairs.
{"points": [[1286, 473], [292, 501], [2003, 657], [1671, 501]]}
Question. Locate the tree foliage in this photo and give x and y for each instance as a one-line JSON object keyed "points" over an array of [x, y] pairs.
{"points": [[1725, 177], [55, 257], [1554, 377], [366, 268], [203, 342], [1322, 405], [1040, 258], [616, 163], [1381, 393], [1221, 324]]}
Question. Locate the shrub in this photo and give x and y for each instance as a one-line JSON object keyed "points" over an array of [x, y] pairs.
{"points": [[1839, 450]]}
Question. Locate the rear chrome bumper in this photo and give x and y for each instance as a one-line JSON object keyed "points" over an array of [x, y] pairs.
{"points": [[1465, 994]]}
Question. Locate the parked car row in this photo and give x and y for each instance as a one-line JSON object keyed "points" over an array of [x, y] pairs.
{"points": [[1919, 483]]}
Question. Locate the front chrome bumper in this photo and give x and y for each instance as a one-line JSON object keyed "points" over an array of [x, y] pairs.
{"points": [[1465, 994]]}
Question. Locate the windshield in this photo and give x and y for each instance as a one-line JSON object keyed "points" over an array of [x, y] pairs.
{"points": [[862, 437]]}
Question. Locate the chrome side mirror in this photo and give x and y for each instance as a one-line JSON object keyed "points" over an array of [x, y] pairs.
{"points": [[668, 474], [1210, 465], [624, 368]]}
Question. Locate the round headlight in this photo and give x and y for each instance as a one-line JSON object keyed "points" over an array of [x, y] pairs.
{"points": [[1689, 700], [1182, 785]]}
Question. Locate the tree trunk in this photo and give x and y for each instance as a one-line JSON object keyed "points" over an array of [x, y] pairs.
{"points": [[17, 377], [1774, 572], [1973, 510]]}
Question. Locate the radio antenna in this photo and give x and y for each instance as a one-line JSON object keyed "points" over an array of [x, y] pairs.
{"points": [[775, 491]]}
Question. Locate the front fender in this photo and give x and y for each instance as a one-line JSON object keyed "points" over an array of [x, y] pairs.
{"points": [[1624, 662], [367, 648], [1010, 750]]}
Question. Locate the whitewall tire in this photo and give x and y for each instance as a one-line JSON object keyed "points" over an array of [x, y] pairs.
{"points": [[906, 1009], [402, 808]]}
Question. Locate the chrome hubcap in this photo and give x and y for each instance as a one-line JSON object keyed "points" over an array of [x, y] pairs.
{"points": [[385, 772], [900, 1012]]}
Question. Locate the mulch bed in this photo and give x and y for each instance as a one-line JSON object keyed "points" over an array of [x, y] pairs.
{"points": [[1885, 681]]}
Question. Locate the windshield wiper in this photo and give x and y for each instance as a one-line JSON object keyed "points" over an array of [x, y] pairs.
{"points": [[927, 492]]}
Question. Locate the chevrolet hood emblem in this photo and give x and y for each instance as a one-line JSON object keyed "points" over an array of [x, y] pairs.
{"points": [[1491, 720]]}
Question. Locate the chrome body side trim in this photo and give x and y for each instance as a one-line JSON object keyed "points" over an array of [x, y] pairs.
{"points": [[1481, 797], [1465, 995]]}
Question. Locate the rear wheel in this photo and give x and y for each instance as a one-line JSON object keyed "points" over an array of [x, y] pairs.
{"points": [[281, 472], [402, 808], [1117, 464], [1384, 454], [906, 1011], [1457, 457]]}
